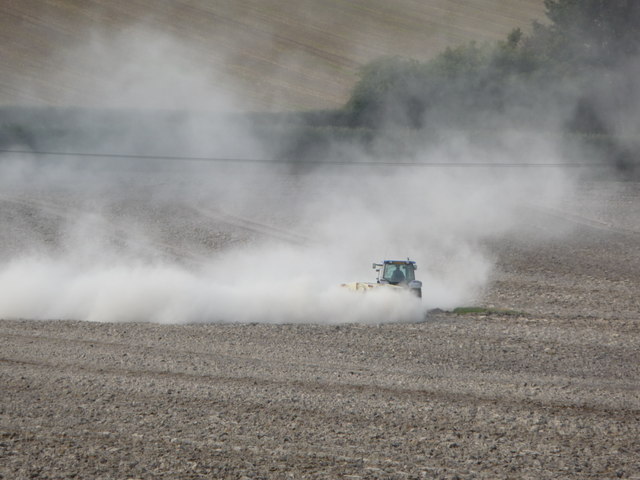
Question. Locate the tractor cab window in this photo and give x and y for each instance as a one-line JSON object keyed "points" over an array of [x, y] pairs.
{"points": [[396, 273]]}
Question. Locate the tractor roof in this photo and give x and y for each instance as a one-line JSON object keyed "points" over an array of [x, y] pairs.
{"points": [[399, 262]]}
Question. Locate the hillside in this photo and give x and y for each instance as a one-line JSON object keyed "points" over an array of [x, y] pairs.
{"points": [[274, 54]]}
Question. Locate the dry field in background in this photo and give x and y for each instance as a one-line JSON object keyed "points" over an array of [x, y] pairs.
{"points": [[276, 54]]}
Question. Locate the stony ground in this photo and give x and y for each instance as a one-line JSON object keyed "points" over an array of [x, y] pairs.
{"points": [[552, 392]]}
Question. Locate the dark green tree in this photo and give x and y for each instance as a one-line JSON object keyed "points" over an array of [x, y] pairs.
{"points": [[582, 42], [591, 32]]}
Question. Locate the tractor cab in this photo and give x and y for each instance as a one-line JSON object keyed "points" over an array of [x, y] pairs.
{"points": [[399, 272], [395, 272]]}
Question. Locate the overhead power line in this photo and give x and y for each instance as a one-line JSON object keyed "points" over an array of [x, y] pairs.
{"points": [[268, 161]]}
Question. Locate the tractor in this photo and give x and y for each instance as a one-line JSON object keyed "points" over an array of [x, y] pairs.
{"points": [[396, 274]]}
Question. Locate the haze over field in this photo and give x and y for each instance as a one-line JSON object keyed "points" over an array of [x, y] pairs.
{"points": [[175, 228], [132, 239], [136, 240]]}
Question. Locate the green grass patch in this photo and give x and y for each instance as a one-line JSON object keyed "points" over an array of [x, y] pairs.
{"points": [[486, 311]]}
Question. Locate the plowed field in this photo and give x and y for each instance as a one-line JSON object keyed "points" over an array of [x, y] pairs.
{"points": [[549, 392]]}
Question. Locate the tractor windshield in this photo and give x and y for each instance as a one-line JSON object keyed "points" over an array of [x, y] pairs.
{"points": [[396, 273]]}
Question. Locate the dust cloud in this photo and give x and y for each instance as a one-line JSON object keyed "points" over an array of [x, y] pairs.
{"points": [[72, 254]]}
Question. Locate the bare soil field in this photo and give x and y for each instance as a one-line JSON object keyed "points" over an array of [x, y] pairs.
{"points": [[277, 54], [552, 392]]}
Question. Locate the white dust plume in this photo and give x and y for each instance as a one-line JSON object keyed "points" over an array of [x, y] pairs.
{"points": [[117, 240]]}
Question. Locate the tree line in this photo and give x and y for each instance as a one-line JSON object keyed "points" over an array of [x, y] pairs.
{"points": [[577, 57]]}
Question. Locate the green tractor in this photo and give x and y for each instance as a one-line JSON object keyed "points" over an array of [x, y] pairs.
{"points": [[396, 274]]}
